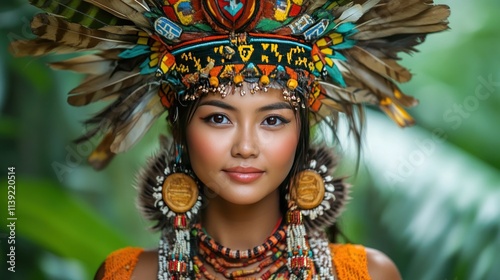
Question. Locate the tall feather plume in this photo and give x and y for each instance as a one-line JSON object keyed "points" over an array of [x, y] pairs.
{"points": [[351, 14], [125, 9], [79, 11], [388, 68], [390, 47], [93, 64], [314, 5], [118, 112], [71, 34], [402, 17], [98, 87], [390, 98], [110, 27], [350, 94], [142, 118], [102, 155], [138, 5], [124, 122], [39, 47], [383, 28], [357, 59]]}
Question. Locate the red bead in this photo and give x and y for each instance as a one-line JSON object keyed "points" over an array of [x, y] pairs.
{"points": [[180, 221], [177, 266]]}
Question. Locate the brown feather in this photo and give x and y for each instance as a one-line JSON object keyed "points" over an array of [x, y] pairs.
{"points": [[93, 64], [96, 88], [428, 16], [314, 4], [121, 30], [391, 46], [378, 85], [119, 113], [385, 67], [102, 155], [123, 10], [147, 112], [137, 5], [119, 117], [380, 32], [75, 35], [394, 11], [396, 113], [434, 15], [402, 17], [39, 47], [350, 94]]}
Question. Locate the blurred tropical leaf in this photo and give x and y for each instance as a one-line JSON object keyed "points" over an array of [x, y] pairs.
{"points": [[52, 219], [429, 205], [428, 196]]}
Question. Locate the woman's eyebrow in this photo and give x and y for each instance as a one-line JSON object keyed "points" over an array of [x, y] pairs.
{"points": [[269, 107], [276, 106], [218, 103]]}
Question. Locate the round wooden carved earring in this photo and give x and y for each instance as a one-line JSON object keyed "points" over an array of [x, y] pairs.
{"points": [[309, 190], [180, 192], [178, 198]]}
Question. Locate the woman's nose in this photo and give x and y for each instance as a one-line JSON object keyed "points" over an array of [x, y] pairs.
{"points": [[246, 143]]}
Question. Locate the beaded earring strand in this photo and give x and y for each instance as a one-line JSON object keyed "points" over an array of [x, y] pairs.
{"points": [[177, 197]]}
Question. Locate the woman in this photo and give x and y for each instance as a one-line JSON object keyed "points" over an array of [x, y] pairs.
{"points": [[244, 150], [238, 190]]}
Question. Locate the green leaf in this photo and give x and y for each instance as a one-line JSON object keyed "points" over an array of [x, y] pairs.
{"points": [[52, 218], [430, 203]]}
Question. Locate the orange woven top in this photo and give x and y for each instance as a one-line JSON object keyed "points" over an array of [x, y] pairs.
{"points": [[349, 261], [120, 264]]}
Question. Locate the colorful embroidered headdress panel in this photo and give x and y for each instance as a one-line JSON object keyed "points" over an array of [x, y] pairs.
{"points": [[147, 55]]}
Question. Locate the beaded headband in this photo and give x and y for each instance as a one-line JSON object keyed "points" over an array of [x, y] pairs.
{"points": [[149, 55]]}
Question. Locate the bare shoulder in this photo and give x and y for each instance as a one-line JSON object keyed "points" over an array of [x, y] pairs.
{"points": [[146, 267], [100, 272], [380, 266]]}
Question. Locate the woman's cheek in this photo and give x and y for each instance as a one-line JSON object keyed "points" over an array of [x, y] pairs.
{"points": [[198, 146], [280, 147], [207, 147]]}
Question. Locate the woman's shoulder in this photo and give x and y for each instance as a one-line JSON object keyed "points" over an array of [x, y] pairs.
{"points": [[380, 266], [129, 263], [366, 263], [348, 259]]}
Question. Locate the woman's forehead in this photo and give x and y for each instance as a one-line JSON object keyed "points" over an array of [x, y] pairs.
{"points": [[239, 99]]}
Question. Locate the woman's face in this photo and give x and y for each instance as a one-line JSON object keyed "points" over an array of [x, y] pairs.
{"points": [[243, 147]]}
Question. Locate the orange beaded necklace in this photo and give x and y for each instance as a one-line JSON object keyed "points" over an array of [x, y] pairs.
{"points": [[242, 264]]}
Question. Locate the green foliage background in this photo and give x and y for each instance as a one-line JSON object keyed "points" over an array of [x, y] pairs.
{"points": [[428, 196]]}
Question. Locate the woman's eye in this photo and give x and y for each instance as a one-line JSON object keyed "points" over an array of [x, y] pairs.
{"points": [[274, 121], [217, 119]]}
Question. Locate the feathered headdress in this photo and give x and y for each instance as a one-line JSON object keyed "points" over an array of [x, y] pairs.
{"points": [[146, 55]]}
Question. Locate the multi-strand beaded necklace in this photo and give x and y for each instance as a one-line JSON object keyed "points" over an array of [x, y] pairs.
{"points": [[289, 253], [264, 262]]}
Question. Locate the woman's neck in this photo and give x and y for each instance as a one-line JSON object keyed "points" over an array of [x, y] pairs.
{"points": [[241, 227]]}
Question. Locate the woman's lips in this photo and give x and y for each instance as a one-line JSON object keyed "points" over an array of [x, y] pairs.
{"points": [[243, 174]]}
